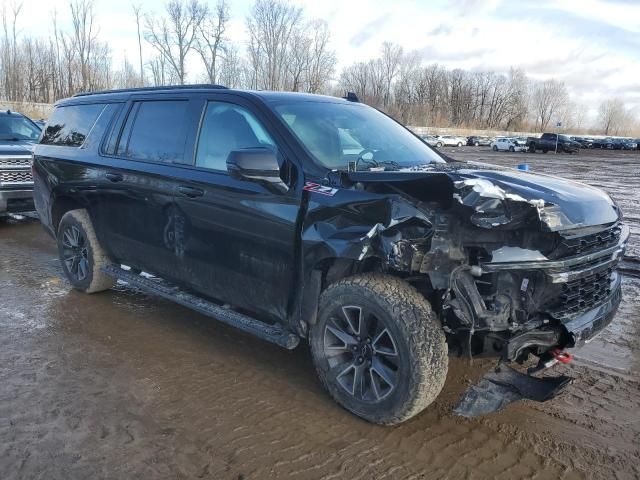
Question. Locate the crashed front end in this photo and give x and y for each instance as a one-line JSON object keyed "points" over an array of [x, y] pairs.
{"points": [[516, 264]]}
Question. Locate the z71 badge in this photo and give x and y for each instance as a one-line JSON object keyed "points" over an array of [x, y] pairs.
{"points": [[322, 189]]}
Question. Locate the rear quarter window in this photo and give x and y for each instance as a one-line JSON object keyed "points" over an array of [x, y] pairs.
{"points": [[70, 125]]}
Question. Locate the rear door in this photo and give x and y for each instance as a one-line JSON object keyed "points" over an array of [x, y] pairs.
{"points": [[136, 196], [239, 237]]}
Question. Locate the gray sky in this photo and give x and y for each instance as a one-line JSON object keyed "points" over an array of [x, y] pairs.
{"points": [[591, 45]]}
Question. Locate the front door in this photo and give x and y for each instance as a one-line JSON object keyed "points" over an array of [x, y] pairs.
{"points": [[239, 237]]}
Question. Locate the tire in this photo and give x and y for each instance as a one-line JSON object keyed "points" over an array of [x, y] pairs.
{"points": [[476, 144], [544, 150], [495, 148], [438, 145], [459, 144], [80, 253], [400, 363], [511, 149]]}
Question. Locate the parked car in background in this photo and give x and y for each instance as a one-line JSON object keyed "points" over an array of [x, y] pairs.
{"points": [[452, 140], [509, 144], [624, 144], [549, 141], [476, 141], [248, 207], [603, 143], [18, 134], [583, 141], [432, 140]]}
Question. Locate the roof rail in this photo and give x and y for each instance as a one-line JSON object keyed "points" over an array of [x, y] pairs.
{"points": [[151, 89]]}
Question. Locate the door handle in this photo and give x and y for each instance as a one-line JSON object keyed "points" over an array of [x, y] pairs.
{"points": [[190, 192], [114, 177]]}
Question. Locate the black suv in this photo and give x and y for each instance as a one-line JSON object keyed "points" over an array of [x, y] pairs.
{"points": [[294, 216], [18, 134]]}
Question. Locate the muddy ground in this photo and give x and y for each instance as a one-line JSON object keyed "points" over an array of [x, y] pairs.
{"points": [[122, 385]]}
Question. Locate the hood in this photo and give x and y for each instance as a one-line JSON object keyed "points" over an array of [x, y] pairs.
{"points": [[500, 197], [14, 148], [560, 204]]}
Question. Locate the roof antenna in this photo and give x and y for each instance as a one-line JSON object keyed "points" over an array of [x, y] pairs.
{"points": [[351, 97]]}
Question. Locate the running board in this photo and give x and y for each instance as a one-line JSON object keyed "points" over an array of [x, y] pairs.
{"points": [[154, 285]]}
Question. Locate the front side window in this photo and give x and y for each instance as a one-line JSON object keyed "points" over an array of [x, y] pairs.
{"points": [[70, 125], [227, 127], [157, 131], [346, 136]]}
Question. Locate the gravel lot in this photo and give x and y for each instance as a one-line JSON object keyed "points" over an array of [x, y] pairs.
{"points": [[123, 385]]}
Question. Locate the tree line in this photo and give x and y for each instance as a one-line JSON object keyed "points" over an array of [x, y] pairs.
{"points": [[284, 50]]}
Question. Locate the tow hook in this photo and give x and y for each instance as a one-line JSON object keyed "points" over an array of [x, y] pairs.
{"points": [[549, 359], [561, 356]]}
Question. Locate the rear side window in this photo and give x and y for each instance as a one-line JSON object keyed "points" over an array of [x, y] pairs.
{"points": [[69, 126], [155, 130]]}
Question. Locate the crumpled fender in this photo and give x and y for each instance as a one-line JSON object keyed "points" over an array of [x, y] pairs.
{"points": [[359, 229]]}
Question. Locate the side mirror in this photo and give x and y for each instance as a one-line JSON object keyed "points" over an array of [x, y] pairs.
{"points": [[258, 165]]}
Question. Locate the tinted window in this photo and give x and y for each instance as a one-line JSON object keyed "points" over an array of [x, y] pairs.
{"points": [[227, 127], [70, 125], [157, 131], [17, 127]]}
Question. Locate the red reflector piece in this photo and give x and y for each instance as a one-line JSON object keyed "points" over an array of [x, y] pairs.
{"points": [[561, 356]]}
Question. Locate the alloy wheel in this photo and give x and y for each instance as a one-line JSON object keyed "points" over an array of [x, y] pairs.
{"points": [[75, 253], [362, 354]]}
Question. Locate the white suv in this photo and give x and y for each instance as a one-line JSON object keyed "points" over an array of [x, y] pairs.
{"points": [[509, 144]]}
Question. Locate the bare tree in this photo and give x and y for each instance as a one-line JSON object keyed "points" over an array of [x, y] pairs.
{"points": [[548, 99], [210, 38], [173, 35], [612, 116], [270, 26], [322, 60], [84, 38], [137, 11], [232, 68]]}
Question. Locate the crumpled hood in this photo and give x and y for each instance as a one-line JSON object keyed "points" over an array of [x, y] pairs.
{"points": [[497, 195], [562, 204]]}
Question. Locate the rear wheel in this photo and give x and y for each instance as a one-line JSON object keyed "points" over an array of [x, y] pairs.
{"points": [[378, 348], [80, 253], [512, 149], [495, 148], [476, 144], [439, 145], [459, 144]]}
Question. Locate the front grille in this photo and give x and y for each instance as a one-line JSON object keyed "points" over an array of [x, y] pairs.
{"points": [[581, 295], [580, 245], [16, 176], [15, 162]]}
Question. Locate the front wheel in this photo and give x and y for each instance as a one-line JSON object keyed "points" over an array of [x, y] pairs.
{"points": [[439, 145], [512, 149], [378, 348], [495, 148], [80, 253], [459, 144]]}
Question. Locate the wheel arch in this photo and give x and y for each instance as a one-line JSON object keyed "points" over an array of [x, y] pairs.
{"points": [[60, 205]]}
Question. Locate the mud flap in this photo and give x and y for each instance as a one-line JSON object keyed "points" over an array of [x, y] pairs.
{"points": [[504, 385]]}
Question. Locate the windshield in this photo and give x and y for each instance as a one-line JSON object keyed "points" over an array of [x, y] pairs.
{"points": [[15, 127], [354, 137]]}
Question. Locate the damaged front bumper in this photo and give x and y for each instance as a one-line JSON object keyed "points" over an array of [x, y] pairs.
{"points": [[581, 318]]}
